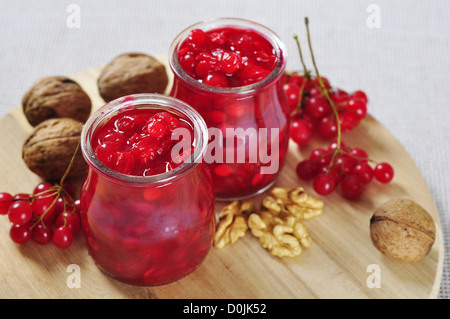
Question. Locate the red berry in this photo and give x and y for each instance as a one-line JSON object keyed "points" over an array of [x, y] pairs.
{"points": [[20, 234], [360, 95], [300, 132], [62, 237], [327, 127], [5, 203], [364, 172], [42, 234], [157, 128], [70, 219], [324, 184], [20, 213], [43, 205], [358, 107], [124, 162], [231, 62], [360, 154], [321, 156], [292, 92], [318, 107], [306, 170], [300, 81], [339, 97], [198, 40], [348, 121], [352, 187], [383, 172], [217, 79]]}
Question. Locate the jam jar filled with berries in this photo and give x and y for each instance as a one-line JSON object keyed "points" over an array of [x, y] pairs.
{"points": [[230, 71], [147, 204]]}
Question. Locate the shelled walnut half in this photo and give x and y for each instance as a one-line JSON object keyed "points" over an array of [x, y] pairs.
{"points": [[278, 224], [232, 223]]}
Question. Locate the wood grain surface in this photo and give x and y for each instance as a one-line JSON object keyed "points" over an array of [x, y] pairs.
{"points": [[337, 265]]}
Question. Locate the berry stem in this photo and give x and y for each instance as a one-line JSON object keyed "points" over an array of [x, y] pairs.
{"points": [[72, 160], [324, 89], [305, 70]]}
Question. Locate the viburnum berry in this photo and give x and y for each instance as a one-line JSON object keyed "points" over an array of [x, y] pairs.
{"points": [[300, 131], [20, 234], [62, 237], [5, 202], [20, 213], [383, 172]]}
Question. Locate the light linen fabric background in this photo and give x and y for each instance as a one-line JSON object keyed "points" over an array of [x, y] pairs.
{"points": [[401, 60]]}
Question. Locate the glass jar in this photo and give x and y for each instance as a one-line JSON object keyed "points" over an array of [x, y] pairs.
{"points": [[147, 230], [248, 125]]}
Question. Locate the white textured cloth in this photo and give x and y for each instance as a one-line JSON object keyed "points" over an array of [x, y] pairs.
{"points": [[401, 57]]}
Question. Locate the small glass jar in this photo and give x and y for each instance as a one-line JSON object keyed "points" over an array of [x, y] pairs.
{"points": [[244, 118], [147, 230]]}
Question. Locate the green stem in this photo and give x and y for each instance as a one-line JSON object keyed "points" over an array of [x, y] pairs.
{"points": [[324, 89], [305, 70], [70, 164]]}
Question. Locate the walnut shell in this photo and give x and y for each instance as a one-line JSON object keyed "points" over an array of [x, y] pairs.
{"points": [[402, 230], [132, 73], [56, 97], [48, 150]]}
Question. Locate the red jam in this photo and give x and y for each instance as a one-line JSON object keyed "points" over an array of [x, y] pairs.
{"points": [[152, 230], [233, 59], [227, 57], [139, 142]]}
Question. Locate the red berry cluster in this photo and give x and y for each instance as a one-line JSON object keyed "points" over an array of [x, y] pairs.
{"points": [[317, 107], [313, 113], [349, 167], [49, 214]]}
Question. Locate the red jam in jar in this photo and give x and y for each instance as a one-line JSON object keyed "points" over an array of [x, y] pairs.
{"points": [[227, 56], [147, 206], [230, 71]]}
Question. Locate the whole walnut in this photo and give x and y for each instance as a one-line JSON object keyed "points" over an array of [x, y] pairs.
{"points": [[132, 73], [402, 230], [50, 147], [56, 97]]}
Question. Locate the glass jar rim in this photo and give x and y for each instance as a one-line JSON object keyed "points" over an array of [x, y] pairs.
{"points": [[270, 35], [149, 100]]}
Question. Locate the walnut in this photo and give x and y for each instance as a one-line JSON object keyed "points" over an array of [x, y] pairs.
{"points": [[282, 237], [232, 223], [402, 230], [50, 147], [278, 224], [295, 202], [132, 73], [56, 97]]}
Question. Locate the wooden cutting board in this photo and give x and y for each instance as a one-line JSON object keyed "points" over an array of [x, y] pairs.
{"points": [[339, 264]]}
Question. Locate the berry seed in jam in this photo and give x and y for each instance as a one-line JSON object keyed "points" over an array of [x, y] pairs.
{"points": [[227, 56], [139, 142]]}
